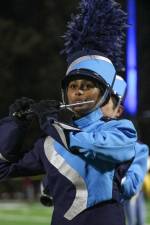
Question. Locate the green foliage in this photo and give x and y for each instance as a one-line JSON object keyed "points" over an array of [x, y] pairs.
{"points": [[30, 45]]}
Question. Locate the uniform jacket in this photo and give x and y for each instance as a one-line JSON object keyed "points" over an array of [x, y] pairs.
{"points": [[80, 162], [134, 177]]}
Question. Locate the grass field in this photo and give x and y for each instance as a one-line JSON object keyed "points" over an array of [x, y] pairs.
{"points": [[32, 214], [24, 214]]}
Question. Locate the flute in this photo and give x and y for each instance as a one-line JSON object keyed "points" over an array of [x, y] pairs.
{"points": [[62, 106]]}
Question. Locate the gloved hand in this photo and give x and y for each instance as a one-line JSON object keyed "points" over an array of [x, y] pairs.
{"points": [[20, 108], [46, 109], [46, 200]]}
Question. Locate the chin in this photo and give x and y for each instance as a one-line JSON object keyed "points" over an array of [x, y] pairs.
{"points": [[81, 112]]}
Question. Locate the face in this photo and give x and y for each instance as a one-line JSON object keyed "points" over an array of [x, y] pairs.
{"points": [[112, 111], [83, 90]]}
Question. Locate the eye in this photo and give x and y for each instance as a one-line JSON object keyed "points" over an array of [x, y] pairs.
{"points": [[72, 85], [89, 85]]}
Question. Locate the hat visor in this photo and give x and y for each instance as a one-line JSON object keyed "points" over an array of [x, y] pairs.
{"points": [[83, 74]]}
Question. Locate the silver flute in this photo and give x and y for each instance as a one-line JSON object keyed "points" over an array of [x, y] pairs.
{"points": [[62, 106]]}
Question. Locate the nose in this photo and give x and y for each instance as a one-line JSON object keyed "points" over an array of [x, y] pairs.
{"points": [[79, 91]]}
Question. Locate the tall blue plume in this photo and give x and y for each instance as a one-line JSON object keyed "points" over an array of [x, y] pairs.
{"points": [[100, 25]]}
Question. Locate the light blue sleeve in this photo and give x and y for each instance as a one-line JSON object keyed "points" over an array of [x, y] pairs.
{"points": [[132, 182], [114, 141]]}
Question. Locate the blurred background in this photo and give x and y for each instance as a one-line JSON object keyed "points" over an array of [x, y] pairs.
{"points": [[31, 65]]}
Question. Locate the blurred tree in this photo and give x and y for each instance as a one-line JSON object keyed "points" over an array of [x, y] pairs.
{"points": [[30, 42], [144, 54]]}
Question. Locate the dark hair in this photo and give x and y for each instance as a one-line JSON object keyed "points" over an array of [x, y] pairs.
{"points": [[115, 100], [97, 84]]}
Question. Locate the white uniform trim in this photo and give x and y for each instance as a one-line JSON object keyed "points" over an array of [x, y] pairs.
{"points": [[61, 134], [88, 57], [80, 202], [3, 158], [118, 77], [66, 126], [62, 126]]}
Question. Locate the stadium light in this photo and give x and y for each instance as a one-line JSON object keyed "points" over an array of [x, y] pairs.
{"points": [[131, 101]]}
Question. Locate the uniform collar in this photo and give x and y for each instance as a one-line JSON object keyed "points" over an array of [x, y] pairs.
{"points": [[89, 118]]}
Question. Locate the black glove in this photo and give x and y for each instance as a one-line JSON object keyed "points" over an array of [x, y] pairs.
{"points": [[20, 109], [46, 200], [46, 110]]}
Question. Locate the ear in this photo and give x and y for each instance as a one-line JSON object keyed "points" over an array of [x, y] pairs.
{"points": [[120, 110]]}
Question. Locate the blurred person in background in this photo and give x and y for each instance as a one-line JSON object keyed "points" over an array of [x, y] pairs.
{"points": [[28, 189], [132, 180], [146, 184], [135, 208]]}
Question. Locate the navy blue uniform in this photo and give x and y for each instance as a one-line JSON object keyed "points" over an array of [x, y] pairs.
{"points": [[82, 183]]}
